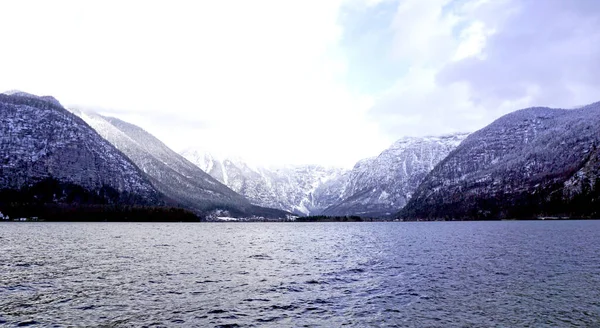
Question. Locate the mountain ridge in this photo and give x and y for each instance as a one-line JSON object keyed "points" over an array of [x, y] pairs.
{"points": [[41, 140], [171, 173], [379, 186], [317, 190], [290, 188], [525, 164]]}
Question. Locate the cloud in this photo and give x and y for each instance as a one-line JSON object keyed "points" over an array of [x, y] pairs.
{"points": [[259, 79], [365, 40], [545, 51], [309, 81], [470, 62]]}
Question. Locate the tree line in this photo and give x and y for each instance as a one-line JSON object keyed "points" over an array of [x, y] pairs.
{"points": [[52, 200]]}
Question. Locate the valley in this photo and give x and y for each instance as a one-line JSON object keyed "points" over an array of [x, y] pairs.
{"points": [[536, 162]]}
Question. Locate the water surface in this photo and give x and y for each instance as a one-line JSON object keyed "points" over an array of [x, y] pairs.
{"points": [[436, 274]]}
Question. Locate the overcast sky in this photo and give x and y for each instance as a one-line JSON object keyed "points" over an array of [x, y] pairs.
{"points": [[307, 81]]}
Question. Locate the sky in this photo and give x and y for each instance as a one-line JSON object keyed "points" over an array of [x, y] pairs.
{"points": [[303, 82]]}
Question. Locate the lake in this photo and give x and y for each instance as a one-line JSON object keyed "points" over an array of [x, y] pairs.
{"points": [[412, 274]]}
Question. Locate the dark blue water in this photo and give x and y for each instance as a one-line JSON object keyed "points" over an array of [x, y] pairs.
{"points": [[437, 274]]}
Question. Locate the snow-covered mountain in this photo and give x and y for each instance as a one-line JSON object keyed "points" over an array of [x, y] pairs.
{"points": [[532, 162], [376, 186], [380, 186], [39, 139], [536, 161], [171, 173], [298, 189]]}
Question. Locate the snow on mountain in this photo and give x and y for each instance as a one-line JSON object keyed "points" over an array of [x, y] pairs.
{"points": [[291, 188], [39, 139], [171, 173], [380, 186], [535, 161], [374, 187]]}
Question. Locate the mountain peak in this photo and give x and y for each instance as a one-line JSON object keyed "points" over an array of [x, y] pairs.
{"points": [[527, 163], [381, 185], [18, 93], [48, 142], [451, 137], [290, 187]]}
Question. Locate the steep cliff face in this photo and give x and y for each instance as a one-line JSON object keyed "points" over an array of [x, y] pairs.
{"points": [[294, 188], [536, 161], [39, 139], [171, 173], [382, 185], [377, 186], [306, 188]]}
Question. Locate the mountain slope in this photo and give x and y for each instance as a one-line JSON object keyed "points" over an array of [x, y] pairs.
{"points": [[170, 173], [535, 161], [377, 186], [381, 185], [293, 188], [40, 140]]}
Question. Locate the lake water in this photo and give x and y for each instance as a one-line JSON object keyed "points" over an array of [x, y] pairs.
{"points": [[434, 274]]}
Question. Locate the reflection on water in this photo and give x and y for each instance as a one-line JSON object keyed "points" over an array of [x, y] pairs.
{"points": [[433, 274]]}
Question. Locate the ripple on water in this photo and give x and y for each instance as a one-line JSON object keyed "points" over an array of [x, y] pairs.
{"points": [[27, 323], [537, 274], [260, 257]]}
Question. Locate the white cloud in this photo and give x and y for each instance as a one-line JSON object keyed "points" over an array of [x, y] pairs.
{"points": [[261, 78], [472, 41], [422, 32], [543, 53], [471, 62], [427, 36], [287, 82]]}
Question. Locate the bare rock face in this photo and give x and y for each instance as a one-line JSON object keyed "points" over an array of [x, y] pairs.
{"points": [[39, 139], [296, 189], [533, 162], [374, 187], [382, 185]]}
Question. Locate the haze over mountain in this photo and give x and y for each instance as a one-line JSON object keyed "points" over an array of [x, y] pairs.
{"points": [[321, 82], [305, 86], [170, 173], [291, 188], [375, 187], [533, 162]]}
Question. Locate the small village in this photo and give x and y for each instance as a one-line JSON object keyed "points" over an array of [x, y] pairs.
{"points": [[7, 218]]}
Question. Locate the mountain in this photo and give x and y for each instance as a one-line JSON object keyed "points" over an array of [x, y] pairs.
{"points": [[44, 145], [171, 173], [376, 187], [533, 162], [380, 186], [297, 189]]}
